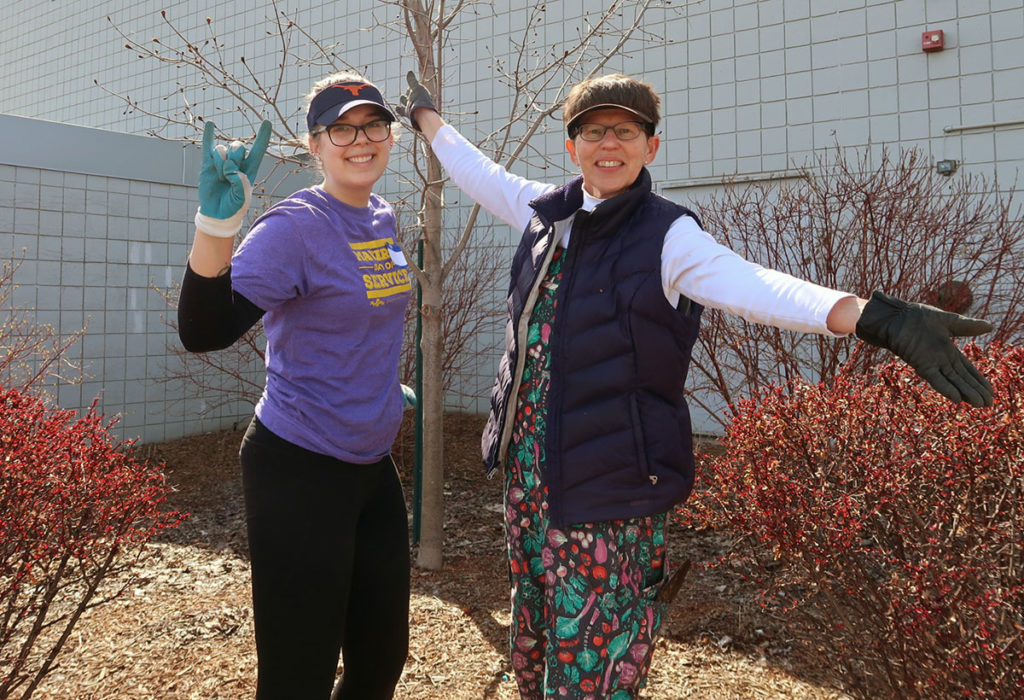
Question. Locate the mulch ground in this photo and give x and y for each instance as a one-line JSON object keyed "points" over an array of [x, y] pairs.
{"points": [[183, 629]]}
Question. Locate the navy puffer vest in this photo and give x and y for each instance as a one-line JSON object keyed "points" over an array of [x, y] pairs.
{"points": [[618, 439]]}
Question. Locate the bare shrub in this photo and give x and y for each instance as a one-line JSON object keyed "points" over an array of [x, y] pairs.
{"points": [[883, 525], [76, 511]]}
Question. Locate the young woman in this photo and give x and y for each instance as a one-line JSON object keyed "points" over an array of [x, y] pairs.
{"points": [[588, 418], [326, 518]]}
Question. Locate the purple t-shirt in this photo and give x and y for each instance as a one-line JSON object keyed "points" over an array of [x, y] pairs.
{"points": [[334, 285]]}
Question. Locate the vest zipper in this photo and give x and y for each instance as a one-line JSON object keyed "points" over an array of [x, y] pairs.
{"points": [[521, 336]]}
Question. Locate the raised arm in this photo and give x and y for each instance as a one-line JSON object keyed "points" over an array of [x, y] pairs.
{"points": [[503, 194], [211, 315]]}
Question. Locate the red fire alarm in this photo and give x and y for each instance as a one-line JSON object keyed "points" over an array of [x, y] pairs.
{"points": [[932, 41]]}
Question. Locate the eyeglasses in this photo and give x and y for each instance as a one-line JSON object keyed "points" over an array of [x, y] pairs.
{"points": [[345, 134], [624, 131]]}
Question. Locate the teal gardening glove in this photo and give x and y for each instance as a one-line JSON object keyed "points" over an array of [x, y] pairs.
{"points": [[922, 336], [415, 97], [225, 181]]}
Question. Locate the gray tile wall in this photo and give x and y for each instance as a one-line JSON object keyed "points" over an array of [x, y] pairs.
{"points": [[750, 88], [94, 248]]}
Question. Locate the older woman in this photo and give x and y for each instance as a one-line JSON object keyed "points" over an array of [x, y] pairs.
{"points": [[588, 418]]}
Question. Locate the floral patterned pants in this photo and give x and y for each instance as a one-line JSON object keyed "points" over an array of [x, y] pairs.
{"points": [[584, 612]]}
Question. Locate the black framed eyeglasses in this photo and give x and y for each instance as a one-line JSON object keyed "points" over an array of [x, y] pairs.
{"points": [[624, 131], [345, 134]]}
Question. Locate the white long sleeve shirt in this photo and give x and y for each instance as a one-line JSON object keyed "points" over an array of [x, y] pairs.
{"points": [[693, 264]]}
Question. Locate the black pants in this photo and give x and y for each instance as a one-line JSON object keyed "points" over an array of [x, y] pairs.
{"points": [[329, 550]]}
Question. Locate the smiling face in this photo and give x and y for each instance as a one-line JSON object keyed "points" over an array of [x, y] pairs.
{"points": [[350, 172], [610, 166]]}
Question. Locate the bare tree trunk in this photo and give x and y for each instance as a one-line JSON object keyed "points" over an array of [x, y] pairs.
{"points": [[431, 548], [420, 27]]}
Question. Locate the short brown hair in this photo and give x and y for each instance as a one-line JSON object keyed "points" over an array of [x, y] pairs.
{"points": [[616, 90]]}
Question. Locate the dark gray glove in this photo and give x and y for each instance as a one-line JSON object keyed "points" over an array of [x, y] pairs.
{"points": [[922, 336], [415, 97]]}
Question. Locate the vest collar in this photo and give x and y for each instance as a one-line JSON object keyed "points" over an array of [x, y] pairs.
{"points": [[563, 202]]}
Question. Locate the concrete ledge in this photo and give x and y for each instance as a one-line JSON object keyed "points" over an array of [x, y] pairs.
{"points": [[49, 145]]}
